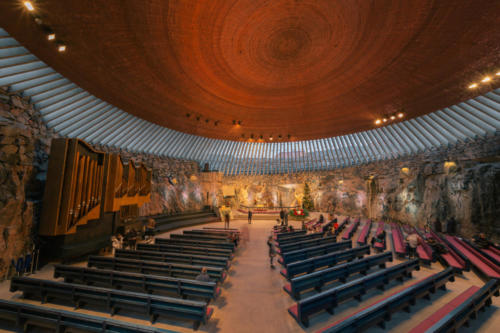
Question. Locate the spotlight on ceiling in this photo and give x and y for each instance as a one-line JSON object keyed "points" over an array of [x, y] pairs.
{"points": [[29, 6], [393, 117], [378, 121], [384, 119], [401, 115], [486, 79], [51, 36], [472, 86], [61, 48]]}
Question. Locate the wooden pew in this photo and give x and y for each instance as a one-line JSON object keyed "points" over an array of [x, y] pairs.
{"points": [[493, 253], [112, 300], [191, 259], [283, 235], [465, 310], [381, 311], [398, 241], [314, 251], [318, 279], [363, 236], [155, 267], [26, 316], [225, 235], [301, 238], [306, 244], [201, 238], [351, 229], [451, 258], [483, 264], [187, 242], [328, 260], [152, 284], [222, 229], [217, 231], [342, 226], [380, 246], [329, 299], [206, 251]]}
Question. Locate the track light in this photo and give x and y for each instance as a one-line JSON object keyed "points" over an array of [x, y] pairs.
{"points": [[486, 79], [378, 121], [61, 48], [29, 6], [51, 36], [401, 115]]}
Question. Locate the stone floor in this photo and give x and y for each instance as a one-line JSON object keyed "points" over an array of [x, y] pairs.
{"points": [[253, 300]]}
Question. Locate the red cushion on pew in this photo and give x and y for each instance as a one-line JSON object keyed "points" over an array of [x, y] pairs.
{"points": [[210, 311], [447, 308], [288, 287], [294, 310], [284, 272]]}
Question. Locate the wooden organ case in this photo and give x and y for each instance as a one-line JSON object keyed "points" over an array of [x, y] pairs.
{"points": [[85, 191]]}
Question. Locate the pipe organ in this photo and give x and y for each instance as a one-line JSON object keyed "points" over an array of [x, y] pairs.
{"points": [[83, 183]]}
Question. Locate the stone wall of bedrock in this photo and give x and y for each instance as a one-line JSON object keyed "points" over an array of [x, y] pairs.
{"points": [[415, 190], [24, 151]]}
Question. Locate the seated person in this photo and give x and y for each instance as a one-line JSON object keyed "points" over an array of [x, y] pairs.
{"points": [[203, 276], [150, 227], [380, 238], [436, 246], [481, 241]]}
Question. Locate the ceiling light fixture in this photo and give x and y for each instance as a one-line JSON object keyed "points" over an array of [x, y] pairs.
{"points": [[384, 119], [486, 79], [29, 6], [61, 48], [51, 36], [472, 86], [378, 121], [401, 115], [393, 117]]}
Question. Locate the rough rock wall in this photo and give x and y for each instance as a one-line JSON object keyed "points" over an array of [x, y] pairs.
{"points": [[24, 149], [462, 182]]}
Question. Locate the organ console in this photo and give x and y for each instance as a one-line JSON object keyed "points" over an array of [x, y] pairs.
{"points": [[83, 183]]}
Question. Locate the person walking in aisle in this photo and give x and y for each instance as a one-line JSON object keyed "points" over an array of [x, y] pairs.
{"points": [[282, 217], [272, 251], [250, 216]]}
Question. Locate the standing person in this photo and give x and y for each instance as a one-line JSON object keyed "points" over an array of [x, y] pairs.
{"points": [[286, 219], [413, 240], [451, 226], [282, 216], [272, 251], [250, 216], [226, 220], [437, 225], [335, 226]]}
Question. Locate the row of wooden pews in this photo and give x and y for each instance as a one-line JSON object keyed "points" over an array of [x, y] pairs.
{"points": [[320, 282], [157, 280]]}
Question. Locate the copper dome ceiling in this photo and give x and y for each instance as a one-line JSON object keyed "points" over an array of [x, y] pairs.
{"points": [[309, 68]]}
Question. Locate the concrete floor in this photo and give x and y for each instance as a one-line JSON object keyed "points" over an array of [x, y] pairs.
{"points": [[253, 300]]}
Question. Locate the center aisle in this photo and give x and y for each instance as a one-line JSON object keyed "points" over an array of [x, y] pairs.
{"points": [[255, 301]]}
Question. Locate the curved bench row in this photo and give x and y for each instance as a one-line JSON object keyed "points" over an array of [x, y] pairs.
{"points": [[300, 238], [204, 251], [153, 284], [310, 252], [345, 253], [329, 299], [398, 240], [483, 264], [306, 244], [363, 235], [318, 279], [198, 243], [154, 267], [172, 257], [112, 300], [351, 229], [382, 310], [23, 315]]}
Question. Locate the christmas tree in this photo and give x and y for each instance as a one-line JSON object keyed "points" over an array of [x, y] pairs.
{"points": [[307, 201]]}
